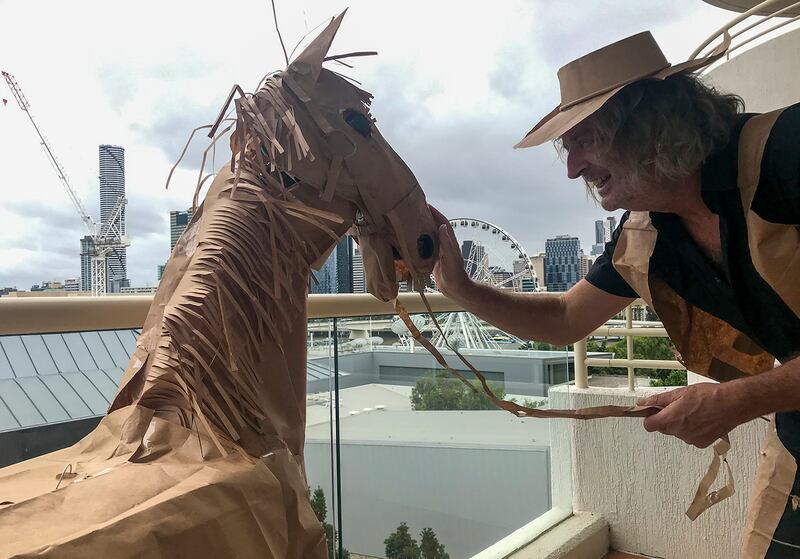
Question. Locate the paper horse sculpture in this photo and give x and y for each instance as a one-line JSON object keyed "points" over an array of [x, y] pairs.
{"points": [[201, 453]]}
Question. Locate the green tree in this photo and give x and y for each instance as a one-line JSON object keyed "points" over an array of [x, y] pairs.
{"points": [[429, 545], [443, 392], [400, 544], [318, 504], [643, 348], [320, 508]]}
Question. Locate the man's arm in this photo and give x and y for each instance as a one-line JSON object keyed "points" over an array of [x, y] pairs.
{"points": [[700, 414], [559, 319]]}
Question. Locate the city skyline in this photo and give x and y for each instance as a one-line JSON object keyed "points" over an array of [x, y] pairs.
{"points": [[451, 106]]}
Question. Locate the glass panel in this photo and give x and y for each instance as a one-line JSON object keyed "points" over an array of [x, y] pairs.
{"points": [[5, 367], [115, 375], [445, 448], [43, 399], [79, 351], [128, 339], [19, 404], [18, 356], [88, 392], [318, 413], [7, 421], [104, 384], [118, 352], [72, 402], [58, 350], [39, 354], [98, 350]]}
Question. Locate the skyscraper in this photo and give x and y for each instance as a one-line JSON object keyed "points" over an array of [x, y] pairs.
{"points": [[336, 275], [359, 280], [603, 231], [344, 265], [178, 221], [87, 245], [112, 188], [562, 262]]}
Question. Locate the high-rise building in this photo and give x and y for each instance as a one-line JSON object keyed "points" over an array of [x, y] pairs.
{"points": [[87, 246], [586, 263], [603, 231], [523, 279], [537, 261], [178, 221], [160, 271], [112, 188], [336, 275], [72, 284], [359, 279], [562, 262], [344, 265]]}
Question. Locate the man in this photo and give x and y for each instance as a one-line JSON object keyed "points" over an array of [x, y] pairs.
{"points": [[710, 239]]}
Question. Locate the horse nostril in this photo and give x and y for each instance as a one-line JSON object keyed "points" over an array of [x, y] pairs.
{"points": [[425, 246]]}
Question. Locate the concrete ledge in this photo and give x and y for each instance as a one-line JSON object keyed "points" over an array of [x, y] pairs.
{"points": [[581, 536]]}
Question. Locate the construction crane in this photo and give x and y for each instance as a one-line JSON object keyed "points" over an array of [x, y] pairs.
{"points": [[106, 238]]}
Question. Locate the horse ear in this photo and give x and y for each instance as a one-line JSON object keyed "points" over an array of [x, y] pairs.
{"points": [[309, 62]]}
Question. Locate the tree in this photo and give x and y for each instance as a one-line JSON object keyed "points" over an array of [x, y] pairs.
{"points": [[643, 348], [429, 545], [400, 544], [442, 392], [320, 508], [319, 505]]}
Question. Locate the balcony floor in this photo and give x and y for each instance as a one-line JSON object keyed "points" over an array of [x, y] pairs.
{"points": [[622, 555]]}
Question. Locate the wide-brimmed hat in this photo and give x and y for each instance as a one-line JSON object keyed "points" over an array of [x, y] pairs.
{"points": [[591, 80]]}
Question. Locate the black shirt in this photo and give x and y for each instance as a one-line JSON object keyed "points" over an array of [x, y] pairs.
{"points": [[734, 292]]}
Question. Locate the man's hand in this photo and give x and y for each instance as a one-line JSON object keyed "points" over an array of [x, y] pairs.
{"points": [[698, 414], [451, 278]]}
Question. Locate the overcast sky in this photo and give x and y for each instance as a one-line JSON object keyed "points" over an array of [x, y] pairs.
{"points": [[456, 85]]}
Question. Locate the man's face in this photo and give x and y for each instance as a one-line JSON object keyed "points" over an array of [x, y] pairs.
{"points": [[601, 171]]}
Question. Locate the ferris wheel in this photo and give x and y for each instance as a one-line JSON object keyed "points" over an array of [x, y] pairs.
{"points": [[492, 256]]}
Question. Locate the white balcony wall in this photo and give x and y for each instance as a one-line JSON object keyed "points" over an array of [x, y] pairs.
{"points": [[766, 76], [642, 483]]}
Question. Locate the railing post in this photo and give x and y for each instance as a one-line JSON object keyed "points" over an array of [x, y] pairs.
{"points": [[581, 372], [629, 340]]}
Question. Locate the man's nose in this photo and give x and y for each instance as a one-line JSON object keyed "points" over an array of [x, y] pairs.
{"points": [[576, 163]]}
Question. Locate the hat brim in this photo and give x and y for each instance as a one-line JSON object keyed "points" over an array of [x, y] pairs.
{"points": [[559, 121]]}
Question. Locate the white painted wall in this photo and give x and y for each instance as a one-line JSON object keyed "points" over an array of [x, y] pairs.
{"points": [[643, 482], [767, 76]]}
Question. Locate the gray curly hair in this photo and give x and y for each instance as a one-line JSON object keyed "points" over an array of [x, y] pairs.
{"points": [[662, 130]]}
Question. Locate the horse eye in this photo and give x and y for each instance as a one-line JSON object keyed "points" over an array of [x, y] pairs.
{"points": [[288, 180], [358, 122]]}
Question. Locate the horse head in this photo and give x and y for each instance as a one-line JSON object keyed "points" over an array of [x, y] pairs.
{"points": [[309, 126]]}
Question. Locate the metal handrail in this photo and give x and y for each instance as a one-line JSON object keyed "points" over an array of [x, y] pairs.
{"points": [[754, 11], [43, 315], [583, 362]]}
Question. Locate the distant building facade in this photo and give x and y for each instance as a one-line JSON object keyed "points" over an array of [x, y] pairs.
{"points": [[359, 279], [87, 247], [178, 221], [112, 188], [603, 230], [336, 275], [562, 262], [537, 262]]}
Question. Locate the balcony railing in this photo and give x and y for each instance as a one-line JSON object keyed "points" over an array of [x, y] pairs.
{"points": [[74, 314]]}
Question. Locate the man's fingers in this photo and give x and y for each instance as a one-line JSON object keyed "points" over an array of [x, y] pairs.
{"points": [[660, 400]]}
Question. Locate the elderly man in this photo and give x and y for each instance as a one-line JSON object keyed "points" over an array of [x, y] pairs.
{"points": [[710, 240]]}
